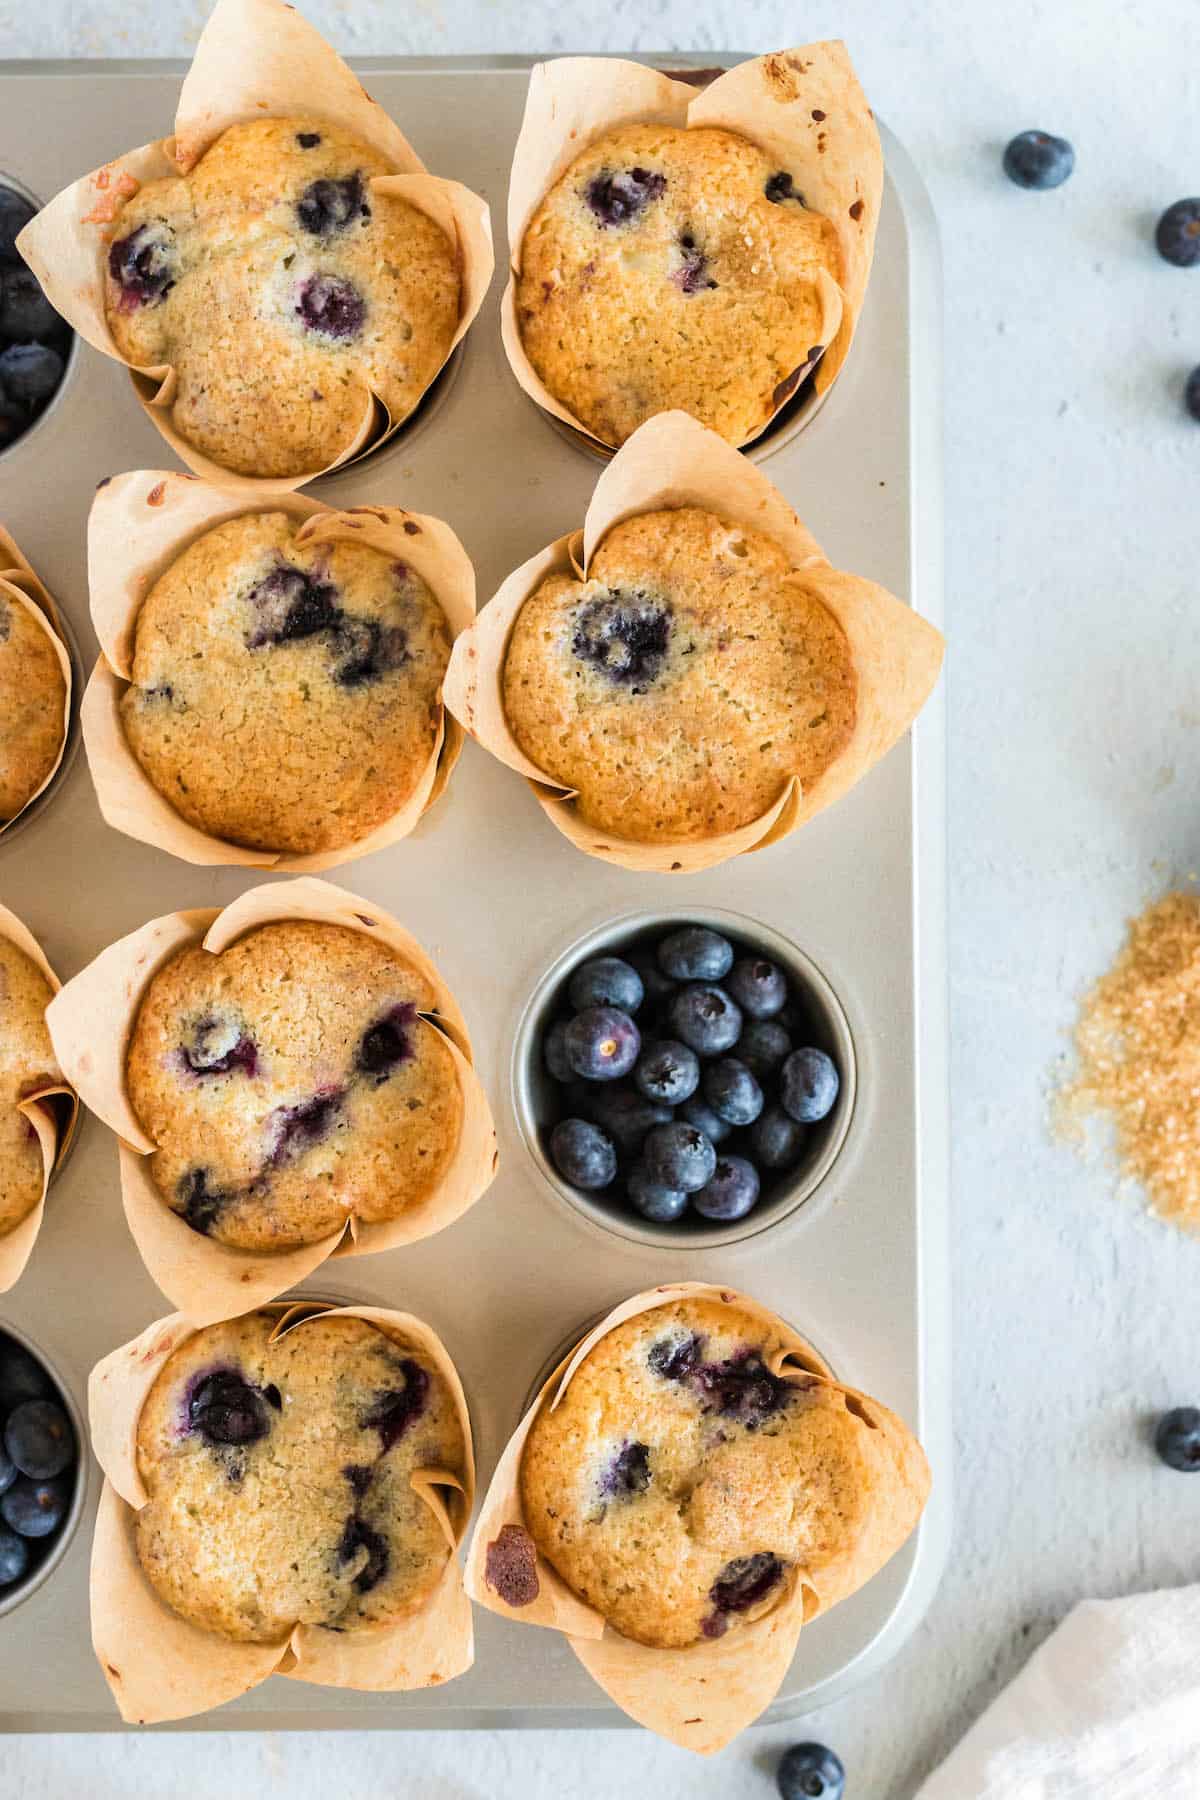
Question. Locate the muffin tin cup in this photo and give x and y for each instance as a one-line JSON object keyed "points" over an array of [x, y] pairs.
{"points": [[22, 588], [54, 1115], [70, 355], [139, 524], [669, 461], [90, 1024], [535, 1093], [255, 59], [158, 1665], [803, 106], [702, 1696], [20, 1591]]}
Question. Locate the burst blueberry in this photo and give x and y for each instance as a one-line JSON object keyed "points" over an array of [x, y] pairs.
{"points": [[705, 1019], [332, 307], [395, 1409], [679, 1156], [810, 1772], [1037, 159], [293, 1130], [617, 196], [217, 1045], [624, 635], [602, 1043], [359, 1543], [742, 1584], [628, 1473], [200, 1204], [583, 1154], [654, 1200], [225, 1408], [289, 604], [695, 954], [780, 187], [1177, 1439], [776, 1139], [1177, 234], [387, 1043], [809, 1085], [328, 207], [691, 275], [667, 1072], [39, 1440], [759, 987], [606, 981], [144, 265]]}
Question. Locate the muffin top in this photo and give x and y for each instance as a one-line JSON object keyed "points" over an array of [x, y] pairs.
{"points": [[289, 1085], [673, 268], [279, 1477], [680, 1487], [680, 687], [32, 698], [280, 288], [26, 1064], [285, 696]]}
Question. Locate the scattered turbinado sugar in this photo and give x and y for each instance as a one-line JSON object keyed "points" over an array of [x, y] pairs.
{"points": [[1138, 1047]]}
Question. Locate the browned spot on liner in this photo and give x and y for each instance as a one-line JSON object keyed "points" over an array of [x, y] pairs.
{"points": [[412, 528], [817, 114], [366, 920], [155, 496], [856, 211], [510, 1567]]}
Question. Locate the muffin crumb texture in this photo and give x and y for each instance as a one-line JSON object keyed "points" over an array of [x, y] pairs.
{"points": [[291, 1084], [283, 291], [682, 1486], [26, 1064], [280, 1477], [32, 698], [673, 268], [286, 696], [1137, 1042], [682, 685]]}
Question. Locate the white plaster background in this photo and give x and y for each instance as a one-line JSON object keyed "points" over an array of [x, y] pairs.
{"points": [[1073, 501]]}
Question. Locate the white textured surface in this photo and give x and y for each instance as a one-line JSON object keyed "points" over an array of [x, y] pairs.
{"points": [[1074, 758]]}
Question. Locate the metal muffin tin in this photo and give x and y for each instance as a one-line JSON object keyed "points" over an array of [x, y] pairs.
{"points": [[495, 894]]}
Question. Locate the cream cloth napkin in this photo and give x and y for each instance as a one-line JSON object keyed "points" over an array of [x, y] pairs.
{"points": [[1107, 1709]]}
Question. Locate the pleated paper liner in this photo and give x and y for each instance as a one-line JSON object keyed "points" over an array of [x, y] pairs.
{"points": [[91, 1021], [804, 107], [21, 587], [53, 1114], [673, 461], [140, 523], [255, 59], [702, 1696], [157, 1664]]}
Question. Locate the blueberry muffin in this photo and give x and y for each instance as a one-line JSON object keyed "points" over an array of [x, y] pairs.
{"points": [[26, 1064], [684, 683], [280, 288], [681, 1488], [290, 1085], [279, 1477], [32, 699], [285, 696], [673, 268]]}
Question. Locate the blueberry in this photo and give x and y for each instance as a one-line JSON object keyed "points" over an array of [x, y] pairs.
{"points": [[764, 1046], [655, 1201], [226, 1409], [606, 981], [780, 187], [1177, 234], [602, 1043], [1177, 1439], [144, 265], [810, 1772], [667, 1072], [39, 1439], [623, 1114], [732, 1191], [308, 140], [34, 1509], [1191, 393], [327, 207], [809, 1085], [692, 276], [657, 986], [675, 1358], [732, 1091], [616, 196], [12, 420], [554, 1052], [705, 1019], [741, 1584], [294, 1129], [759, 987], [8, 1470], [697, 1112], [331, 306], [583, 1154], [216, 1046], [21, 1376], [741, 1388], [15, 214], [695, 954], [776, 1139], [200, 1204], [628, 1473], [30, 374], [25, 312], [392, 1412], [625, 636], [357, 1536], [14, 1558], [1035, 159], [288, 605], [679, 1156], [388, 1043]]}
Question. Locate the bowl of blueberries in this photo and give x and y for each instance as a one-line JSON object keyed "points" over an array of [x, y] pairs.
{"points": [[36, 345], [684, 1081], [43, 1485]]}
